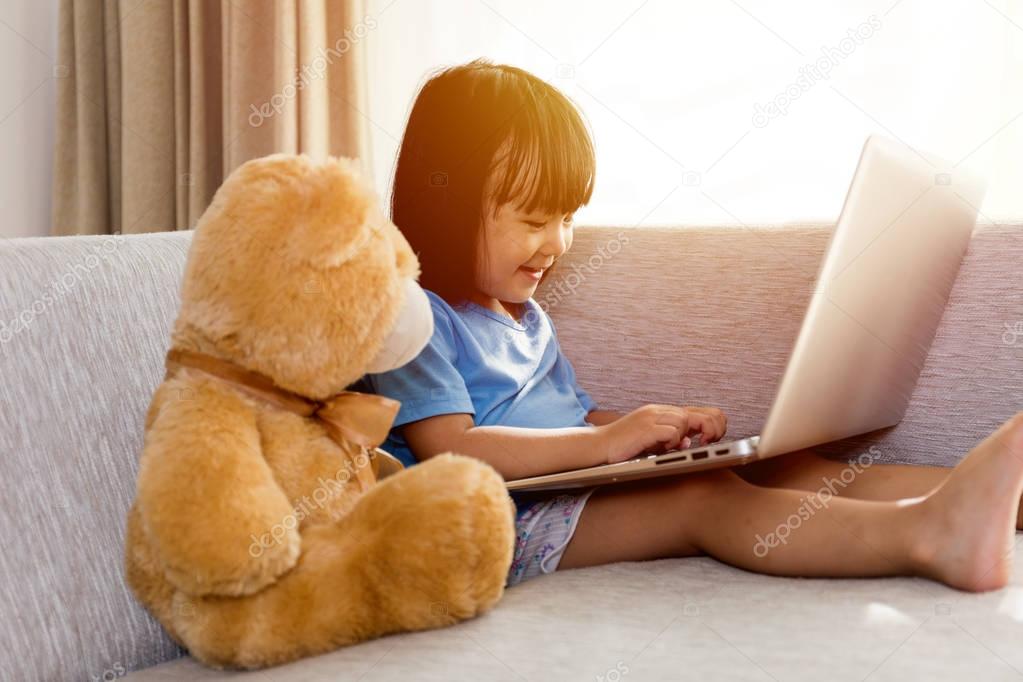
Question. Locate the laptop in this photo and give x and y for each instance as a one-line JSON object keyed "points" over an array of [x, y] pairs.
{"points": [[880, 293]]}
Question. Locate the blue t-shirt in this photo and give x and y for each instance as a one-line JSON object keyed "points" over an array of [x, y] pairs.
{"points": [[482, 363]]}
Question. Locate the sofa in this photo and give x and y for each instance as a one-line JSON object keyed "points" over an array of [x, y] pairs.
{"points": [[689, 316]]}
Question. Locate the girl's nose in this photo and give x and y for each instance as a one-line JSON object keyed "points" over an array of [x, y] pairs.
{"points": [[557, 240]]}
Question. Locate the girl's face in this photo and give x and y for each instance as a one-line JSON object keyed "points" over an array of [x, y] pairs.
{"points": [[515, 248]]}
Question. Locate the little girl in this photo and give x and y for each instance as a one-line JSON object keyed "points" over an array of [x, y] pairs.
{"points": [[492, 166]]}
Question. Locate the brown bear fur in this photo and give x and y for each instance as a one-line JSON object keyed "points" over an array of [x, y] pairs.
{"points": [[295, 273]]}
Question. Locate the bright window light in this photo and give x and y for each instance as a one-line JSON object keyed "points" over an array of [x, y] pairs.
{"points": [[738, 113]]}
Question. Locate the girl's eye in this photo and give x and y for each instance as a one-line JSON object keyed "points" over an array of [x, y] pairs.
{"points": [[538, 224]]}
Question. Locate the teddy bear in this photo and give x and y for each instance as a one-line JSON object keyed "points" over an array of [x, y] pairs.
{"points": [[267, 523]]}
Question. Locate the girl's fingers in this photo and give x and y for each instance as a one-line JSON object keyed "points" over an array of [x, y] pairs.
{"points": [[676, 419], [667, 436], [705, 425], [720, 422], [674, 425]]}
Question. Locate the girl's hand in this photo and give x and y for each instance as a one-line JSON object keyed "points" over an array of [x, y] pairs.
{"points": [[660, 428]]}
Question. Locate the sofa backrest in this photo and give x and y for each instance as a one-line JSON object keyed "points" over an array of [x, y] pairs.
{"points": [[684, 316], [86, 323], [708, 316]]}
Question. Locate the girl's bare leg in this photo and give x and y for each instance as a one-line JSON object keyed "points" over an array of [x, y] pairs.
{"points": [[806, 470], [960, 534]]}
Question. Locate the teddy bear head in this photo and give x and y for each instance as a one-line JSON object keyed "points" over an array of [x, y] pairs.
{"points": [[294, 272]]}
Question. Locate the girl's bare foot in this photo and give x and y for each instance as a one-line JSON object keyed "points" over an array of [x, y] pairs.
{"points": [[967, 525]]}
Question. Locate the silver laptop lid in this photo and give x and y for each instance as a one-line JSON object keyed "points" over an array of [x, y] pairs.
{"points": [[880, 294]]}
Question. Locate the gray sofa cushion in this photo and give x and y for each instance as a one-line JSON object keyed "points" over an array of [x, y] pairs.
{"points": [[689, 620], [686, 316]]}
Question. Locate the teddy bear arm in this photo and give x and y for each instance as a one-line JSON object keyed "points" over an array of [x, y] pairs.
{"points": [[209, 503]]}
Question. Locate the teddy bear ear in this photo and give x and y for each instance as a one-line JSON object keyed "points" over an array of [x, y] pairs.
{"points": [[405, 258], [334, 213]]}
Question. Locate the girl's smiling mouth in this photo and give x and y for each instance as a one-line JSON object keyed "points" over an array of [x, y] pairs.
{"points": [[533, 273]]}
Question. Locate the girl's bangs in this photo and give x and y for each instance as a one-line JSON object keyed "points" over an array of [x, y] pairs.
{"points": [[552, 157]]}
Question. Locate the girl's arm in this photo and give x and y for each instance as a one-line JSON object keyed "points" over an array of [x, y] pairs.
{"points": [[515, 452], [601, 417]]}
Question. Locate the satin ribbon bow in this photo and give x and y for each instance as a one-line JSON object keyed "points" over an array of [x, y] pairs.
{"points": [[351, 417]]}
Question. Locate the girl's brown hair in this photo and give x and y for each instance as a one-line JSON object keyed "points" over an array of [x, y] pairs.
{"points": [[460, 118]]}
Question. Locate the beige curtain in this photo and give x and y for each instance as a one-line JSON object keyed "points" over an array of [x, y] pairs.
{"points": [[160, 99]]}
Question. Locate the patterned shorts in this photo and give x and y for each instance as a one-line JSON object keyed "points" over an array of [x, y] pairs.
{"points": [[542, 533]]}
